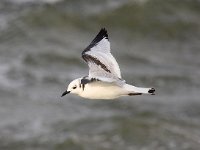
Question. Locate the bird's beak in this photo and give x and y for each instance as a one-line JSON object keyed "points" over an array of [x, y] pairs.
{"points": [[66, 92]]}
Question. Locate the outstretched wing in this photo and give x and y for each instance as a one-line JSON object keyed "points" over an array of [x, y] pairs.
{"points": [[101, 63]]}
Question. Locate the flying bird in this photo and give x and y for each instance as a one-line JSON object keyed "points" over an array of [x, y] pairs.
{"points": [[104, 80]]}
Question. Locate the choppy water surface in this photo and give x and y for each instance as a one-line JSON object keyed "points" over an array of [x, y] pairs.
{"points": [[156, 44]]}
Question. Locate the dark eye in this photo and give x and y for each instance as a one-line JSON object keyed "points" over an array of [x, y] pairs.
{"points": [[74, 87]]}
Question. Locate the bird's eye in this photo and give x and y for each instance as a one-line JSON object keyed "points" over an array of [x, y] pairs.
{"points": [[74, 87]]}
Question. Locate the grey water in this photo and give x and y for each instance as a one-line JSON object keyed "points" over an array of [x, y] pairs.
{"points": [[156, 44]]}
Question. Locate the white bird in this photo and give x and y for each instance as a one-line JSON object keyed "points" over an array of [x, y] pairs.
{"points": [[104, 80]]}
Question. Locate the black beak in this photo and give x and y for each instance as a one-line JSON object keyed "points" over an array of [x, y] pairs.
{"points": [[66, 92]]}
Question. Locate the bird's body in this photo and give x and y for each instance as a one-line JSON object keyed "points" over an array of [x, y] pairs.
{"points": [[104, 80], [101, 90], [105, 90]]}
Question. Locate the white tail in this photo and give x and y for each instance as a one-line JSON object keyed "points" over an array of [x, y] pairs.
{"points": [[138, 90]]}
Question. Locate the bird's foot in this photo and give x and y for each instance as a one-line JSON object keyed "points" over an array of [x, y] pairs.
{"points": [[152, 91]]}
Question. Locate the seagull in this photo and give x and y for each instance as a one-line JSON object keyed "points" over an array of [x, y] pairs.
{"points": [[104, 80]]}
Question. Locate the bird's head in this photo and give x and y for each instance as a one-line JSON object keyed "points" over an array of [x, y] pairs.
{"points": [[74, 87]]}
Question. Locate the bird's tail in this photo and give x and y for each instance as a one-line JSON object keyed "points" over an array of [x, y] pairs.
{"points": [[132, 90]]}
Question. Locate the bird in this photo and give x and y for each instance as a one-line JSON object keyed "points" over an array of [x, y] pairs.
{"points": [[104, 80]]}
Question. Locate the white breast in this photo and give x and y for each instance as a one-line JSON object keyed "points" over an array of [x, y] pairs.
{"points": [[99, 90]]}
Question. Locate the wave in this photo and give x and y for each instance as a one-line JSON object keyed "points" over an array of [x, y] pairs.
{"points": [[153, 18]]}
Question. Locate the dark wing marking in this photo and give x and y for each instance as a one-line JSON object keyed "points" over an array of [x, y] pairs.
{"points": [[102, 34], [99, 59], [86, 80], [87, 58], [133, 94]]}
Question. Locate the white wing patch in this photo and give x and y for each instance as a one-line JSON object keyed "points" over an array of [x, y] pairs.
{"points": [[102, 46]]}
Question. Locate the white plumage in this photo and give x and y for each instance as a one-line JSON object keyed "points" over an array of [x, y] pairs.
{"points": [[104, 80]]}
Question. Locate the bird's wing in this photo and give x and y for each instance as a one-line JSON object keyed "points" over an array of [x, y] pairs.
{"points": [[101, 63]]}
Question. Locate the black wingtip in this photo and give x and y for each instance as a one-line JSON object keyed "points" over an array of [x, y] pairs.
{"points": [[102, 34]]}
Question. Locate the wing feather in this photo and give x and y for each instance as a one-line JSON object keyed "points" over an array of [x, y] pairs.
{"points": [[99, 59]]}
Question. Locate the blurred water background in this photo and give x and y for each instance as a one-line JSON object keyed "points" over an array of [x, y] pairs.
{"points": [[157, 43]]}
